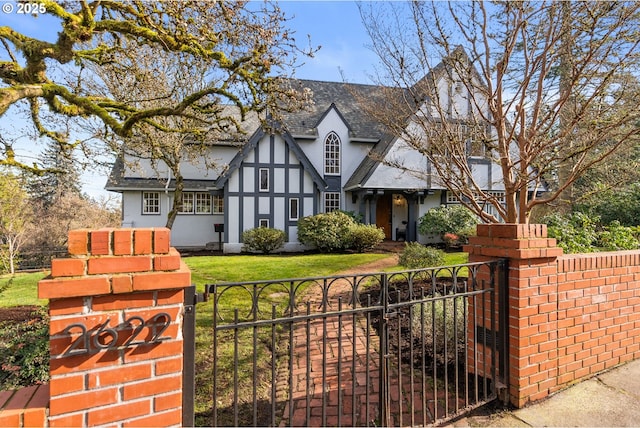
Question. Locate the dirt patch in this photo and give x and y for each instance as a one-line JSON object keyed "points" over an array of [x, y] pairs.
{"points": [[19, 313], [411, 328]]}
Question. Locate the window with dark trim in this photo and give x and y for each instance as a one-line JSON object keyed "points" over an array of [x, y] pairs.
{"points": [[294, 207], [264, 179], [263, 222]]}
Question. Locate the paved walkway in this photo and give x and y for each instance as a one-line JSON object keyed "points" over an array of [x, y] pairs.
{"points": [[336, 370], [611, 399]]}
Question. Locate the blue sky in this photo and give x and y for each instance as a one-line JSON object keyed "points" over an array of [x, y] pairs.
{"points": [[336, 26]]}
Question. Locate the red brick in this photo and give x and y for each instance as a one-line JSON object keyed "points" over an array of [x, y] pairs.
{"points": [[153, 351], [161, 240], [65, 421], [167, 262], [165, 402], [35, 417], [118, 301], [121, 284], [118, 375], [67, 267], [100, 245], [142, 241], [10, 418], [121, 264], [74, 305], [119, 413], [65, 384], [123, 242], [170, 297], [77, 363], [73, 287], [78, 242], [82, 401], [152, 387], [162, 280], [166, 366], [57, 325], [168, 418]]}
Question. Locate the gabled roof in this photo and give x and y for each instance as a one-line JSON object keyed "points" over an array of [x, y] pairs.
{"points": [[251, 145], [117, 182], [345, 98]]}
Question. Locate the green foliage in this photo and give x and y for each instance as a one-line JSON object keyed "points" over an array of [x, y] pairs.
{"points": [[24, 351], [364, 237], [449, 321], [327, 232], [621, 205], [454, 219], [575, 232], [416, 256], [263, 239], [616, 237], [355, 216]]}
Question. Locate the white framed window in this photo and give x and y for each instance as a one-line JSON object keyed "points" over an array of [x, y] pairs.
{"points": [[264, 179], [294, 209], [263, 222], [331, 201], [150, 203], [186, 203], [218, 204], [332, 154], [203, 203]]}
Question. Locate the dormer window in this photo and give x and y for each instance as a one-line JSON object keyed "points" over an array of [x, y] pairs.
{"points": [[332, 154]]}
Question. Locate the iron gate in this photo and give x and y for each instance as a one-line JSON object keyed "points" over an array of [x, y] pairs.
{"points": [[415, 347]]}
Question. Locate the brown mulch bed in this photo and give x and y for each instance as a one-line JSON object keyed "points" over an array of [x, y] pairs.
{"points": [[18, 313]]}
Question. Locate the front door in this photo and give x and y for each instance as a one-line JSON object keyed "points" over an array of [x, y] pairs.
{"points": [[383, 214]]}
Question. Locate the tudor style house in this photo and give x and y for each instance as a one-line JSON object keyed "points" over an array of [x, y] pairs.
{"points": [[320, 161]]}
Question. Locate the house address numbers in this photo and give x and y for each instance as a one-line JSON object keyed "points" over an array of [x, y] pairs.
{"points": [[125, 335]]}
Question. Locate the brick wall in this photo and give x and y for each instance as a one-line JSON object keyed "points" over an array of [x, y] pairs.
{"points": [[116, 307], [569, 316]]}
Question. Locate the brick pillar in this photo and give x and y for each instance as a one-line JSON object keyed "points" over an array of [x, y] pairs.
{"points": [[532, 303], [116, 308]]}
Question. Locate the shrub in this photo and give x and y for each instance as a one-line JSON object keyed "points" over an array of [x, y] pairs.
{"points": [[365, 237], [575, 232], [454, 219], [616, 237], [263, 239], [416, 256], [327, 232], [24, 351], [449, 322]]}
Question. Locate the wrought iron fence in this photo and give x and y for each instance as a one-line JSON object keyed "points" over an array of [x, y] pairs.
{"points": [[415, 347]]}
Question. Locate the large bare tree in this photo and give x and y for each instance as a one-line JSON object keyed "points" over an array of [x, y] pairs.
{"points": [[546, 88], [244, 48]]}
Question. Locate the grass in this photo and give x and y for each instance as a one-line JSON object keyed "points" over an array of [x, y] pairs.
{"points": [[21, 289]]}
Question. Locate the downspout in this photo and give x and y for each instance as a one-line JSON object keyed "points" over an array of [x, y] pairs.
{"points": [[166, 189]]}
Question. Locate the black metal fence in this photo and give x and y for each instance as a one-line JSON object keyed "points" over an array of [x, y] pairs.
{"points": [[378, 349]]}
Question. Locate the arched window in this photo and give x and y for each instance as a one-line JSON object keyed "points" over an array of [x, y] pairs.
{"points": [[332, 154]]}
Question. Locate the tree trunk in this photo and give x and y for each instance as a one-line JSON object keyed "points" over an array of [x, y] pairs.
{"points": [[177, 200]]}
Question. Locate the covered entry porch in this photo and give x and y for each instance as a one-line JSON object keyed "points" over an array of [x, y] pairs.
{"points": [[395, 211]]}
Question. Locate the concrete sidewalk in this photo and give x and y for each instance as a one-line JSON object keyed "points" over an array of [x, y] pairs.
{"points": [[611, 399]]}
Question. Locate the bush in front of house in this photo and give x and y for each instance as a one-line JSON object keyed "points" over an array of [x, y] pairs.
{"points": [[364, 237], [441, 323], [327, 232], [616, 237], [416, 256], [575, 232], [263, 239], [451, 220]]}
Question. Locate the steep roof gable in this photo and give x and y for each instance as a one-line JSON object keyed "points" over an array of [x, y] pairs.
{"points": [[253, 143]]}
